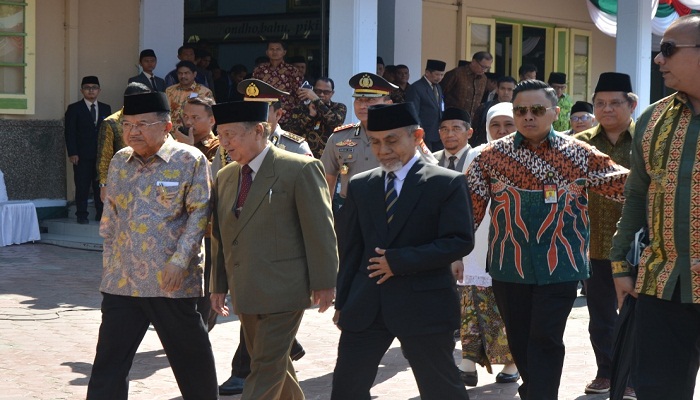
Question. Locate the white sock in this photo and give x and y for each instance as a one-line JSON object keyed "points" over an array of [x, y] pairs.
{"points": [[467, 365]]}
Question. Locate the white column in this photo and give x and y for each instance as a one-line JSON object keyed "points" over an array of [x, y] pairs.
{"points": [[162, 29], [633, 49], [352, 45], [408, 31]]}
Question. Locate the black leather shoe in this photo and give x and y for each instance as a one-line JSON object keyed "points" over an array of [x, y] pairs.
{"points": [[234, 385], [507, 378], [298, 355], [83, 221], [469, 378]]}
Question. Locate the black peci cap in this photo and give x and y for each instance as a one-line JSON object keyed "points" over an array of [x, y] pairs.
{"points": [[384, 117]]}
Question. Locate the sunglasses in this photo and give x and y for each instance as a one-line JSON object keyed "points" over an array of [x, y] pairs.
{"points": [[537, 110], [669, 48]]}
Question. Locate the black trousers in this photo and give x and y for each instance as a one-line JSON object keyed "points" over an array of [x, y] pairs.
{"points": [[125, 321], [668, 348], [240, 364], [430, 356], [602, 310], [84, 177], [535, 319]]}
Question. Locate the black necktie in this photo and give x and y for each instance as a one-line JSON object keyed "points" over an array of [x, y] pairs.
{"points": [[153, 83], [93, 113], [390, 197], [246, 182], [451, 165]]}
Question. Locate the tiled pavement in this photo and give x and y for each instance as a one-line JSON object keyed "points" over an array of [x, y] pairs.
{"points": [[49, 318]]}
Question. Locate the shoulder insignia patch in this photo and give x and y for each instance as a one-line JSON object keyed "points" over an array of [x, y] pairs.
{"points": [[294, 137], [346, 142], [344, 127]]}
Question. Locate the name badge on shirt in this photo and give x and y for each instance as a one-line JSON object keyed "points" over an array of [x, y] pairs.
{"points": [[550, 189]]}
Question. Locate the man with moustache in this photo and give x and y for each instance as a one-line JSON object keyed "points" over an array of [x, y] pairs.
{"points": [[155, 215], [400, 228], [455, 131], [662, 193], [537, 183]]}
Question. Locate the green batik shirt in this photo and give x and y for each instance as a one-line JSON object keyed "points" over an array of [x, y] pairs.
{"points": [[562, 123], [602, 212], [537, 197], [663, 190]]}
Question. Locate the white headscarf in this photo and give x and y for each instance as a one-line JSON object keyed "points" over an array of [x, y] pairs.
{"points": [[495, 111]]}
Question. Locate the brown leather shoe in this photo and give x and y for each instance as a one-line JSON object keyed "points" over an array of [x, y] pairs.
{"points": [[599, 385]]}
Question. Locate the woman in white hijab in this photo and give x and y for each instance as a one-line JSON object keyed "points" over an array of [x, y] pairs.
{"points": [[482, 332]]}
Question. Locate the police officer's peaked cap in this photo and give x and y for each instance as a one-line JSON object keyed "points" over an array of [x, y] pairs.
{"points": [[257, 90], [367, 84]]}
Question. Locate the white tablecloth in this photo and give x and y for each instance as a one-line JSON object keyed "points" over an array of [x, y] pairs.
{"points": [[18, 223]]}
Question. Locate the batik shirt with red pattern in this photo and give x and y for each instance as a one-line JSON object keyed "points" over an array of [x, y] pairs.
{"points": [[284, 77], [531, 241]]}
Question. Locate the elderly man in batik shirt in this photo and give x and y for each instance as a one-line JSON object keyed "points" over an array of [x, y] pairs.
{"points": [[110, 139], [155, 216], [537, 182]]}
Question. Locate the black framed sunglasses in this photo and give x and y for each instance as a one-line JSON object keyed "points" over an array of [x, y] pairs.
{"points": [[537, 110], [669, 48]]}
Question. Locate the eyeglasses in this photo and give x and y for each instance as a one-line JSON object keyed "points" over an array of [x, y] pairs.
{"points": [[455, 129], [537, 110], [90, 88], [128, 126], [484, 67], [323, 92], [583, 118], [612, 104], [669, 48]]}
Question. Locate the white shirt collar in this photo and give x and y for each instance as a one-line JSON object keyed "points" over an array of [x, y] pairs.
{"points": [[256, 162]]}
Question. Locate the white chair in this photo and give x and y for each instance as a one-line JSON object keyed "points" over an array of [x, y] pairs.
{"points": [[18, 220]]}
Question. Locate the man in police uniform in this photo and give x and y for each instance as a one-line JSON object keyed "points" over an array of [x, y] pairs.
{"points": [[348, 150]]}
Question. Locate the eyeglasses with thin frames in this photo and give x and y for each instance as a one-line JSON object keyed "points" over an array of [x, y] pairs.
{"points": [[668, 49], [537, 110], [582, 118], [140, 126]]}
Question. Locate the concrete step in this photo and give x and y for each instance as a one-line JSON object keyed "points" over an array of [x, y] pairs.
{"points": [[72, 242], [66, 232]]}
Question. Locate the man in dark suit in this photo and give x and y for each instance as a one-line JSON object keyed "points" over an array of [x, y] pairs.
{"points": [[148, 62], [82, 122], [400, 228], [282, 197], [426, 96]]}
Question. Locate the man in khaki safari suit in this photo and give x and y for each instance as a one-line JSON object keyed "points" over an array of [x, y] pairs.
{"points": [[273, 245]]}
